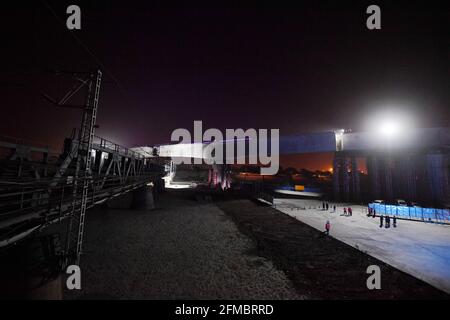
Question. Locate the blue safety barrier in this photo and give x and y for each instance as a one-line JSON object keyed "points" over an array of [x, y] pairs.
{"points": [[286, 187], [412, 213], [292, 188]]}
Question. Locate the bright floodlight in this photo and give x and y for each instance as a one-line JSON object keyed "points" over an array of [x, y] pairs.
{"points": [[392, 123], [389, 128]]}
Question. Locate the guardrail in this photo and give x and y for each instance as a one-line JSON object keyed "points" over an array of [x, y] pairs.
{"points": [[38, 191], [413, 213], [114, 147]]}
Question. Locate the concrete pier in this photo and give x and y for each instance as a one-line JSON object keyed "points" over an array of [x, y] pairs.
{"points": [[412, 176], [142, 198]]}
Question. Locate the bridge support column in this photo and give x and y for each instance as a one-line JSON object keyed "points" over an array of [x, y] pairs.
{"points": [[337, 163], [215, 175], [437, 178], [388, 191], [139, 199], [346, 179], [374, 176], [405, 178], [143, 198], [355, 179], [411, 178], [220, 177]]}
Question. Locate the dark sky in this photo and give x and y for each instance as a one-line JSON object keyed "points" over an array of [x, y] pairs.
{"points": [[299, 67]]}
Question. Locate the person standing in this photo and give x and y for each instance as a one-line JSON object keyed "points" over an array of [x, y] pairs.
{"points": [[350, 211], [327, 227], [334, 208], [381, 221], [394, 220], [345, 211]]}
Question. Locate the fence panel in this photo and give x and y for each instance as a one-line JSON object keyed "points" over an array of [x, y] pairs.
{"points": [[413, 213]]}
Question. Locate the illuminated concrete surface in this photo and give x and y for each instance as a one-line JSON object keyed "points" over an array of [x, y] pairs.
{"points": [[419, 249]]}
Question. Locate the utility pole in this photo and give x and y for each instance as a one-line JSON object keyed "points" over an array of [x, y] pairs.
{"points": [[83, 173]]}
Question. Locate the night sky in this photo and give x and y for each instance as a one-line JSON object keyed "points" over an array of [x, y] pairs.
{"points": [[299, 67]]}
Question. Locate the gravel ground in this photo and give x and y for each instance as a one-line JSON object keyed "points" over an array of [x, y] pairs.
{"points": [[186, 248], [191, 247]]}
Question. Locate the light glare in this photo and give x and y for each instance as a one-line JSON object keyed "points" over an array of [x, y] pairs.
{"points": [[389, 128]]}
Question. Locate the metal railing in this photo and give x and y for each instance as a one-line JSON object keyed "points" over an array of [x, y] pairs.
{"points": [[412, 213], [37, 193]]}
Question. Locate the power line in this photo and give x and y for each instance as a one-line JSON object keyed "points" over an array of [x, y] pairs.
{"points": [[85, 47]]}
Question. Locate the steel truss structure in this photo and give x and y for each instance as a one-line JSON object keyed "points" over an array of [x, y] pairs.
{"points": [[39, 188]]}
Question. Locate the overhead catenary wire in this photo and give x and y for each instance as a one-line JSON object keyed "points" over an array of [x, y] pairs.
{"points": [[85, 47]]}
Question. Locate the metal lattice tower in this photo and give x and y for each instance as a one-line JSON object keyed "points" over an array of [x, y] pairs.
{"points": [[83, 172]]}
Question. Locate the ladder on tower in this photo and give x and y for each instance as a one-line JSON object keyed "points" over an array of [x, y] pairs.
{"points": [[83, 172]]}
